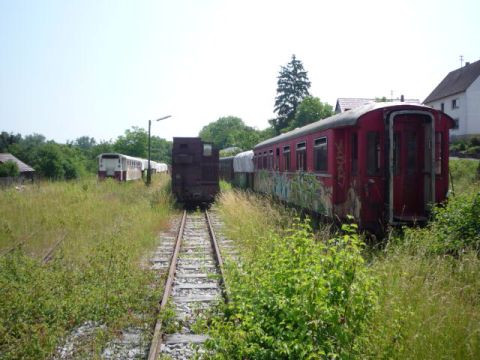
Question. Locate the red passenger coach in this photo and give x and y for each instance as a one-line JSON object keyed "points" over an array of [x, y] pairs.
{"points": [[382, 163]]}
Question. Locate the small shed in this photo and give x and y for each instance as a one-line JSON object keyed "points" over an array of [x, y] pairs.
{"points": [[26, 171]]}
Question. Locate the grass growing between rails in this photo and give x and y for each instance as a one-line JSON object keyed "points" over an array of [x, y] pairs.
{"points": [[96, 273], [302, 296]]}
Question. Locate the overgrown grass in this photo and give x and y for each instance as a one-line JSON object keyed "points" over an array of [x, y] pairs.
{"points": [[464, 174], [426, 283], [429, 307], [294, 296], [96, 274]]}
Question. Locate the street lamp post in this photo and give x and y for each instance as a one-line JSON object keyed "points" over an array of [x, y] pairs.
{"points": [[149, 169]]}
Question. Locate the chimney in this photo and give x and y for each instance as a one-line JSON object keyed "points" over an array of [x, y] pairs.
{"points": [[467, 63], [402, 98]]}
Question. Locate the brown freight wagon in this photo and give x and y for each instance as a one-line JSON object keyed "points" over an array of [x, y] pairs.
{"points": [[194, 171]]}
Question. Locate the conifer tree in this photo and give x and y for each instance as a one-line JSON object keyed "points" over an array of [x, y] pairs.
{"points": [[292, 88]]}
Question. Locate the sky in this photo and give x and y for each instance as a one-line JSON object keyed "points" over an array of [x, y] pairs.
{"points": [[96, 68]]}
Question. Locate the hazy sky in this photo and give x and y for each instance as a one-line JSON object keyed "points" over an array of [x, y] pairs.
{"points": [[72, 68]]}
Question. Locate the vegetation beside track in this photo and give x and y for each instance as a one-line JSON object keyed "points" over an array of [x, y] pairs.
{"points": [[95, 274], [417, 297]]}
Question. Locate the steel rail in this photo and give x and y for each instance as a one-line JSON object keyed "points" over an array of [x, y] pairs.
{"points": [[156, 339], [17, 245], [218, 256], [49, 254]]}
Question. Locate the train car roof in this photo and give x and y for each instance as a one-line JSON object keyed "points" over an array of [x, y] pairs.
{"points": [[243, 162], [121, 155], [347, 118]]}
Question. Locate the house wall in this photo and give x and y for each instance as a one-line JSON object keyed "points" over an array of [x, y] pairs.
{"points": [[473, 104], [459, 113]]}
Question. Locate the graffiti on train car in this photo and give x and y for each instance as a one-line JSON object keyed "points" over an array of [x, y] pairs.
{"points": [[302, 189], [340, 159], [352, 204]]}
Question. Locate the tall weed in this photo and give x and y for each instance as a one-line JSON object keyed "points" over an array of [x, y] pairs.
{"points": [[293, 296], [95, 274]]}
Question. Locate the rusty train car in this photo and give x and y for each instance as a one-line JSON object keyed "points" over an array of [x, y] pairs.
{"points": [[194, 170], [382, 163]]}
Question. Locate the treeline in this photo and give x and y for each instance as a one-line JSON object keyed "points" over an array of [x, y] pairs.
{"points": [[78, 158], [294, 106]]}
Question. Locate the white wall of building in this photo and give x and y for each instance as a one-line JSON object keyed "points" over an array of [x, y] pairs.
{"points": [[459, 113], [473, 103]]}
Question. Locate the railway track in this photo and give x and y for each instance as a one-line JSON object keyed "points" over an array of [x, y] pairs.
{"points": [[194, 285]]}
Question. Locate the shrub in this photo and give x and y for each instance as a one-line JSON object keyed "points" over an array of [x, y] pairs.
{"points": [[475, 141], [473, 150], [458, 145], [297, 298], [457, 225], [9, 168]]}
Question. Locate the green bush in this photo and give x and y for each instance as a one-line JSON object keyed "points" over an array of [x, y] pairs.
{"points": [[457, 225], [9, 168], [475, 141], [473, 150], [460, 146], [297, 298]]}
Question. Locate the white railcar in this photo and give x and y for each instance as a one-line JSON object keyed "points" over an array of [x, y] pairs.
{"points": [[120, 167]]}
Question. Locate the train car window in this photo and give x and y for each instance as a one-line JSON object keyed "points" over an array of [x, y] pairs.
{"points": [[270, 159], [259, 160], [354, 154], [265, 159], [277, 159], [301, 156], [320, 152], [373, 153], [411, 138], [207, 149], [286, 158], [438, 153], [396, 153]]}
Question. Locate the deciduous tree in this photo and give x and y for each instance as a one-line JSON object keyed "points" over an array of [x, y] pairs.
{"points": [[311, 109], [230, 131]]}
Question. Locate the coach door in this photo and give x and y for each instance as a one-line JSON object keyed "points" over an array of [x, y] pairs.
{"points": [[411, 158]]}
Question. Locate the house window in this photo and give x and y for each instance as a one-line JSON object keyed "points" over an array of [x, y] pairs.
{"points": [[442, 107], [456, 124], [320, 152], [455, 104], [301, 154], [286, 158], [373, 153], [354, 153]]}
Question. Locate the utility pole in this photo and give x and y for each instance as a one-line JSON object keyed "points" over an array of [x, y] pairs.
{"points": [[461, 60]]}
